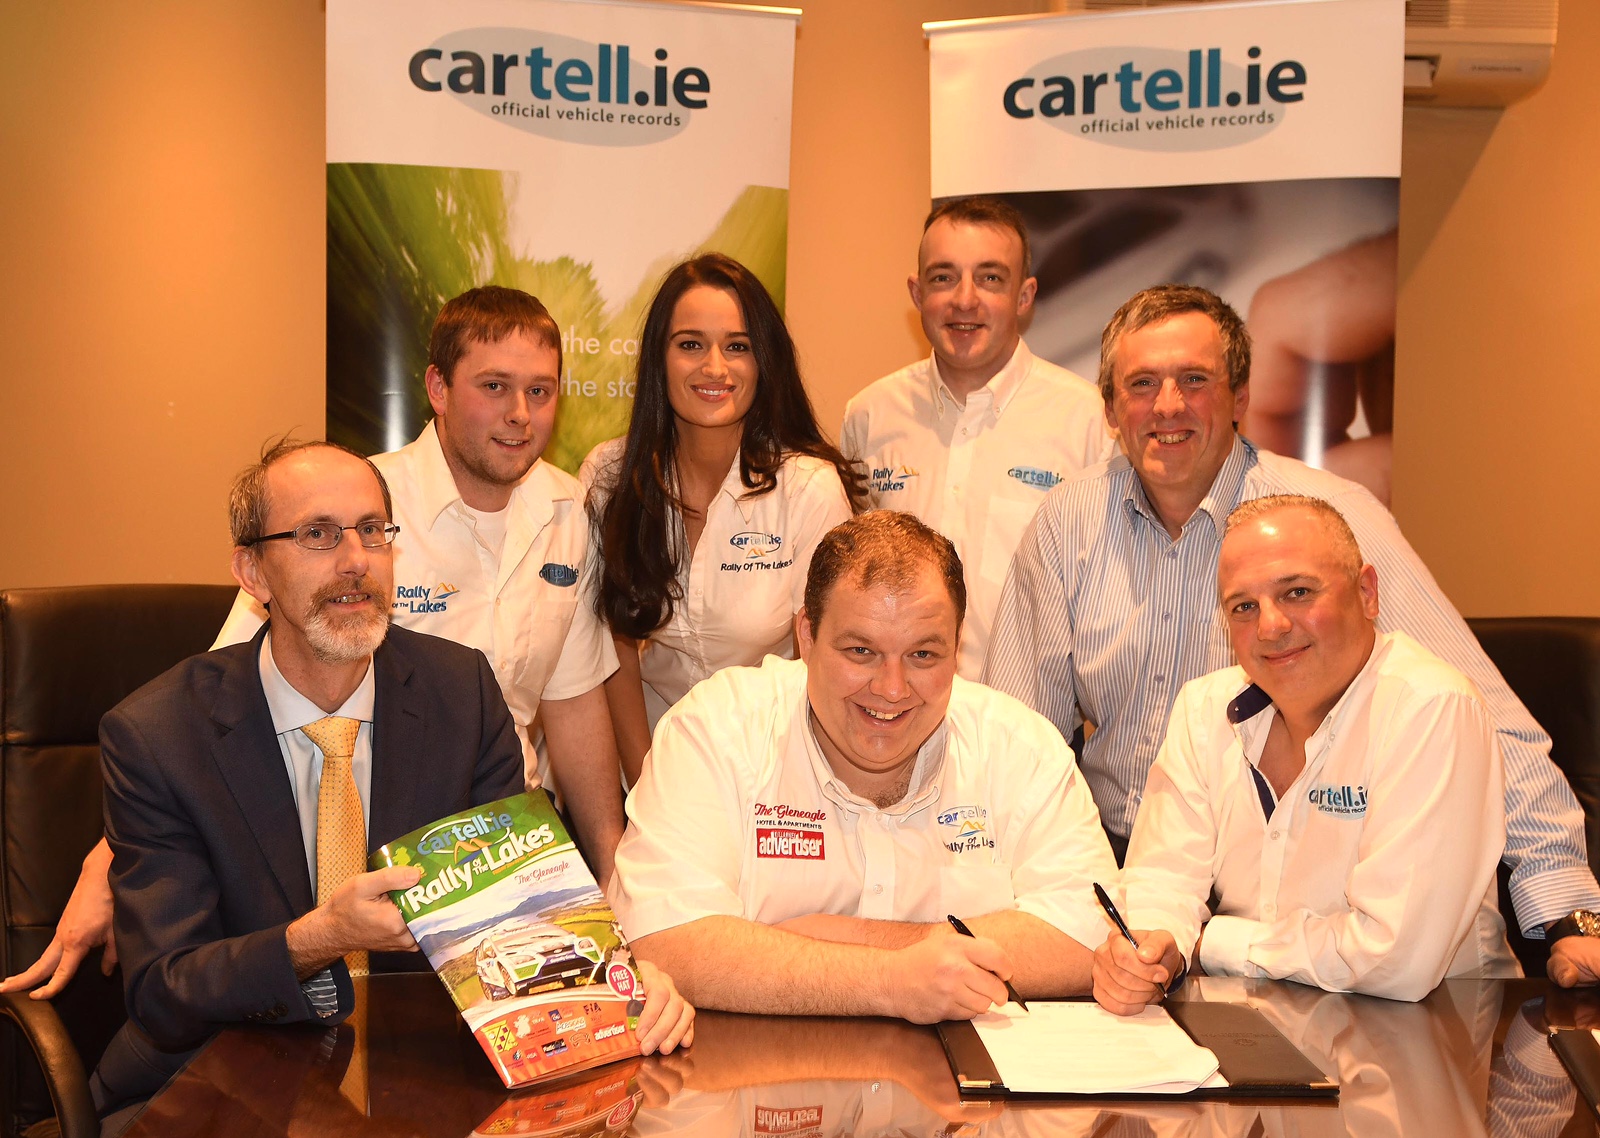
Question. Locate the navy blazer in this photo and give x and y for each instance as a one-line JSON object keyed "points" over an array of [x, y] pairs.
{"points": [[208, 862]]}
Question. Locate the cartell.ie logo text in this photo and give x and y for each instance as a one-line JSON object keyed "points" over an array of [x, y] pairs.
{"points": [[463, 836], [1157, 98], [1345, 801], [1033, 476], [971, 824], [561, 87], [420, 598], [761, 551], [756, 545]]}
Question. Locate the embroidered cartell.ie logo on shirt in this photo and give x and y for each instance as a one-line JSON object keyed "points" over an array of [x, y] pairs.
{"points": [[759, 551], [1344, 801], [971, 826], [559, 574], [756, 545], [421, 598], [1033, 476]]}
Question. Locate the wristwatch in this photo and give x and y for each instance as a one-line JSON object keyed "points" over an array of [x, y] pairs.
{"points": [[1579, 922]]}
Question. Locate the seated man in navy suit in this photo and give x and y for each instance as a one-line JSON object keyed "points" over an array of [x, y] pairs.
{"points": [[245, 786]]}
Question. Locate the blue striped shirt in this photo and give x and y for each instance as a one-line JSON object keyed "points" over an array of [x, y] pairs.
{"points": [[1104, 616], [1530, 1093]]}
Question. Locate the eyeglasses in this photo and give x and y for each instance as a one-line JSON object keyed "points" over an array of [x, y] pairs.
{"points": [[326, 535]]}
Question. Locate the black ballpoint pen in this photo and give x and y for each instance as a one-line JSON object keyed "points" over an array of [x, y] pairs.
{"points": [[1122, 926], [961, 927], [1111, 911]]}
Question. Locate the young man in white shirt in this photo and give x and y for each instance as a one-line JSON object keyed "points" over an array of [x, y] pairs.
{"points": [[971, 438], [491, 547], [804, 829], [1339, 792]]}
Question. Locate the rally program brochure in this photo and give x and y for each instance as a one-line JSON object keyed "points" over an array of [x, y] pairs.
{"points": [[513, 922]]}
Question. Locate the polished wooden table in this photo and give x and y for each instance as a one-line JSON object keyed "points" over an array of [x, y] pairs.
{"points": [[1469, 1060]]}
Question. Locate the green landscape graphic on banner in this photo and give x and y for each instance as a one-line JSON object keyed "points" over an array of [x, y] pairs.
{"points": [[404, 239]]}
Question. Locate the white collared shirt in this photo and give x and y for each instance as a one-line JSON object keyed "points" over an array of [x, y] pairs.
{"points": [[1373, 873], [523, 610], [290, 712], [746, 579], [976, 473], [738, 814]]}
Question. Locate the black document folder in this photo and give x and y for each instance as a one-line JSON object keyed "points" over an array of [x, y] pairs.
{"points": [[1580, 1055], [1254, 1057]]}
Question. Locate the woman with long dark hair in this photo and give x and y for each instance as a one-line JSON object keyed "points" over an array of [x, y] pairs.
{"points": [[707, 511]]}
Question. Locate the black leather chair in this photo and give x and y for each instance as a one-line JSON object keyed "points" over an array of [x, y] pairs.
{"points": [[1553, 664], [67, 656]]}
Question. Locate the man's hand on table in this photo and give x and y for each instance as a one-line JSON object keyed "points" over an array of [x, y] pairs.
{"points": [[1574, 962], [85, 924], [668, 1019], [1128, 978]]}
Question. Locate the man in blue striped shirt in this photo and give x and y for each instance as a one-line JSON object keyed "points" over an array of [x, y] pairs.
{"points": [[1111, 602]]}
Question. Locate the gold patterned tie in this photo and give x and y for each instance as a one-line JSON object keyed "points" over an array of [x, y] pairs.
{"points": [[341, 829]]}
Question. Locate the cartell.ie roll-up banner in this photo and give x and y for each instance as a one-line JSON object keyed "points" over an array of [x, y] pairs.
{"points": [[1250, 148], [576, 149]]}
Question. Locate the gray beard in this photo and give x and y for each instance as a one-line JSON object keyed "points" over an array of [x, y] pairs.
{"points": [[342, 642]]}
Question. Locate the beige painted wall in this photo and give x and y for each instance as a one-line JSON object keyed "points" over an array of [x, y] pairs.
{"points": [[161, 245], [859, 186], [1498, 366], [161, 256]]}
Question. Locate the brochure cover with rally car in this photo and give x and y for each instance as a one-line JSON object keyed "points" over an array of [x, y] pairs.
{"points": [[513, 922]]}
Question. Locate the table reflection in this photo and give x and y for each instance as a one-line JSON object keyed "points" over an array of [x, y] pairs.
{"points": [[1404, 1069], [1530, 1095], [807, 1078], [1469, 1060]]}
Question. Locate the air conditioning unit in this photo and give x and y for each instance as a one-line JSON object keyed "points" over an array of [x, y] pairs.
{"points": [[1459, 53], [1477, 53]]}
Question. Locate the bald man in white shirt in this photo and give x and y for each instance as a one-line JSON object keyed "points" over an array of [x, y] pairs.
{"points": [[1339, 792]]}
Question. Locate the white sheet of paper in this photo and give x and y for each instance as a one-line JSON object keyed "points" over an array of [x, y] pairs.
{"points": [[1080, 1048]]}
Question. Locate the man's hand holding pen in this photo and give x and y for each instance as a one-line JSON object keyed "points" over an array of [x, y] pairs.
{"points": [[1127, 978], [1011, 992], [1132, 968]]}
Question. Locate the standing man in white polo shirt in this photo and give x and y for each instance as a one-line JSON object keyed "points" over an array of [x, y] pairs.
{"points": [[972, 437], [491, 546], [803, 829]]}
